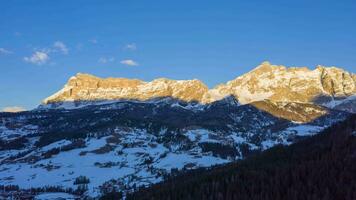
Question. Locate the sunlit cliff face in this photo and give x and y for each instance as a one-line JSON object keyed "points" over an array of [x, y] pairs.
{"points": [[296, 112], [278, 84], [84, 87]]}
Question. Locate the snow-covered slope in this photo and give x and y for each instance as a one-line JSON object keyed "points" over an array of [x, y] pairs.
{"points": [[127, 144], [281, 84]]}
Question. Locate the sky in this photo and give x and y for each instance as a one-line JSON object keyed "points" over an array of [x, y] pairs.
{"points": [[43, 43]]}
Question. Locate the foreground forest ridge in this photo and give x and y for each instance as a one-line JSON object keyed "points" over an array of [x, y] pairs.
{"points": [[116, 137]]}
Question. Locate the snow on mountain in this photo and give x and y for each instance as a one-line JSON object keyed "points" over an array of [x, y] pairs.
{"points": [[293, 84], [85, 87], [55, 196], [327, 86], [132, 143], [96, 135]]}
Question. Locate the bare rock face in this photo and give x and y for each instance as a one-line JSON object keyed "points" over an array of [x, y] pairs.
{"points": [[282, 84], [296, 112], [85, 87], [266, 82]]}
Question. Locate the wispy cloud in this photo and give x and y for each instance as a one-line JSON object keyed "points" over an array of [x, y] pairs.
{"points": [[60, 46], [4, 51], [131, 47], [106, 60], [42, 56], [38, 58], [129, 62], [13, 109]]}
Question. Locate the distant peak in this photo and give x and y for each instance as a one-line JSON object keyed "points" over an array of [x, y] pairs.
{"points": [[331, 68], [266, 81], [84, 75], [265, 63], [267, 67]]}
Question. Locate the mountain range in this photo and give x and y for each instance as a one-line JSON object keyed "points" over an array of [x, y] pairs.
{"points": [[95, 135], [328, 86]]}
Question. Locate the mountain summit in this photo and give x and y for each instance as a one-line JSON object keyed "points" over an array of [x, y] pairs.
{"points": [[328, 86], [292, 84], [85, 87]]}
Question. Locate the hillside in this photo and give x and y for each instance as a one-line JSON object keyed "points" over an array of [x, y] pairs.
{"points": [[320, 167], [129, 144]]}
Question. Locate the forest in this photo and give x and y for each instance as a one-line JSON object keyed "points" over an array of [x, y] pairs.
{"points": [[319, 167]]}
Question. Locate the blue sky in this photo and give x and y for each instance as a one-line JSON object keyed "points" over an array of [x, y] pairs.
{"points": [[43, 43]]}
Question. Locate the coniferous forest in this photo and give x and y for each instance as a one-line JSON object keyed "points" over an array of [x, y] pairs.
{"points": [[320, 167]]}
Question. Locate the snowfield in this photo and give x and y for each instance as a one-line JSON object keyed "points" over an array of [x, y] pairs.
{"points": [[129, 164], [55, 196], [124, 145]]}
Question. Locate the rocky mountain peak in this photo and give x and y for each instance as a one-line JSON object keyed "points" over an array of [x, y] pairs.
{"points": [[86, 87], [287, 84], [266, 67], [276, 83]]}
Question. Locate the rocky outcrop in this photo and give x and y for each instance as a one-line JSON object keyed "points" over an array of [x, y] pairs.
{"points": [[282, 84], [85, 87], [276, 83]]}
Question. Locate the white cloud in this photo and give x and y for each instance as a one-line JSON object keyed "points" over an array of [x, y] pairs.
{"points": [[38, 58], [106, 60], [129, 62], [13, 109], [60, 46], [131, 47], [42, 56], [4, 51]]}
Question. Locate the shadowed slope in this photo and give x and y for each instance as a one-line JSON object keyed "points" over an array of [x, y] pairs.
{"points": [[321, 167]]}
